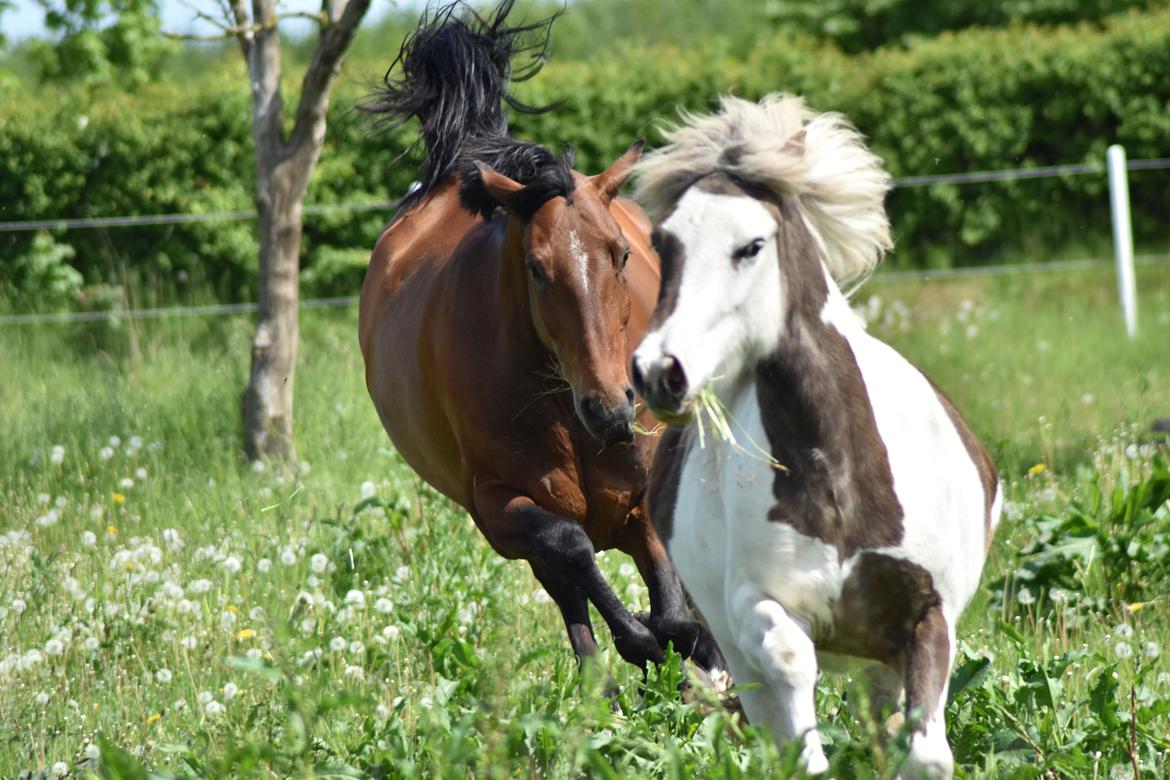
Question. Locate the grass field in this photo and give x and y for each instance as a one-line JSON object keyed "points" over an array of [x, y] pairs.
{"points": [[165, 607]]}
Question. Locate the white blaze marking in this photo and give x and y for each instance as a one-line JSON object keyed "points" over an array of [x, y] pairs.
{"points": [[577, 250]]}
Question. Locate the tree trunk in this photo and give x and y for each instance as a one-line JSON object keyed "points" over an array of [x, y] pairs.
{"points": [[268, 400], [283, 169]]}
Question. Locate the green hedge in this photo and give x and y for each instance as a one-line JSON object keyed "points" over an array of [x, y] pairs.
{"points": [[970, 101]]}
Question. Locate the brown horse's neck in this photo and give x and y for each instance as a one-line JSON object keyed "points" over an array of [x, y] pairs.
{"points": [[515, 305]]}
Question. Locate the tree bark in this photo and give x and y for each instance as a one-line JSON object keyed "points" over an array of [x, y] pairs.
{"points": [[283, 169]]}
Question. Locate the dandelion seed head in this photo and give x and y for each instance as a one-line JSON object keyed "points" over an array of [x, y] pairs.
{"points": [[319, 563], [1122, 650]]}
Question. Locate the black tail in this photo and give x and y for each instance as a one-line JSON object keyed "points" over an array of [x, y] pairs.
{"points": [[453, 73]]}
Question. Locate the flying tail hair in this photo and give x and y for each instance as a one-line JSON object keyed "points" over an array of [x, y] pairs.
{"points": [[454, 73]]}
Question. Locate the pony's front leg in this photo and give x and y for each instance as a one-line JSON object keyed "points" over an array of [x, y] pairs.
{"points": [[781, 655], [517, 528]]}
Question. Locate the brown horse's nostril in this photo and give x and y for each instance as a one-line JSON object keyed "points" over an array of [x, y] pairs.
{"points": [[630, 396]]}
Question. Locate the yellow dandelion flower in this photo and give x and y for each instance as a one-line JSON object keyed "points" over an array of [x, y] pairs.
{"points": [[153, 718], [1039, 468], [232, 608], [119, 498], [245, 633], [1138, 606], [112, 530], [129, 565]]}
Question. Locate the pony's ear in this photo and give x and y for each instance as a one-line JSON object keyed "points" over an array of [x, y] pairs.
{"points": [[499, 186], [795, 144], [608, 182]]}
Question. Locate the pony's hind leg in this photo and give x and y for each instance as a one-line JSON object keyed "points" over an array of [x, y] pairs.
{"points": [[883, 696], [928, 666], [778, 651]]}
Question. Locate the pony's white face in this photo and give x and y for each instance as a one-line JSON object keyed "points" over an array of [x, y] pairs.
{"points": [[721, 305]]}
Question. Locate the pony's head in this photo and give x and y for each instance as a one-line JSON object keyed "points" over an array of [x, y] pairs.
{"points": [[759, 207], [573, 266]]}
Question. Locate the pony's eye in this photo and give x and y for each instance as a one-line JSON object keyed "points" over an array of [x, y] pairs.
{"points": [[748, 250], [536, 272], [625, 259]]}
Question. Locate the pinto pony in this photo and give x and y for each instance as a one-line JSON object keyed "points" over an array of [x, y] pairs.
{"points": [[852, 521], [497, 319]]}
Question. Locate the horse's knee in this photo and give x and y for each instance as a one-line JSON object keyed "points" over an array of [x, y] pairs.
{"points": [[778, 645]]}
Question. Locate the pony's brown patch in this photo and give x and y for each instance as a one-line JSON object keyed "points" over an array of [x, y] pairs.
{"points": [[816, 413]]}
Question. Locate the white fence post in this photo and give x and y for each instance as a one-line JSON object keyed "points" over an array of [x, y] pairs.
{"points": [[1122, 235]]}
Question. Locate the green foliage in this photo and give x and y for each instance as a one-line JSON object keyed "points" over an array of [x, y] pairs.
{"points": [[98, 41], [1120, 537], [977, 100], [464, 670]]}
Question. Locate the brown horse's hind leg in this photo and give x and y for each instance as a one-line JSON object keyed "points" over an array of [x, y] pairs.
{"points": [[574, 608], [517, 528], [671, 619]]}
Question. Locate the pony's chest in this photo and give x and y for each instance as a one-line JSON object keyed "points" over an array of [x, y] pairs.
{"points": [[722, 538]]}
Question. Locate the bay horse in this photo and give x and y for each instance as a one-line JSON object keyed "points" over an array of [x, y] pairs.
{"points": [[849, 525], [497, 318]]}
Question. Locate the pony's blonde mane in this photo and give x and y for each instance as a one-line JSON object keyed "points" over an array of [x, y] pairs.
{"points": [[820, 161]]}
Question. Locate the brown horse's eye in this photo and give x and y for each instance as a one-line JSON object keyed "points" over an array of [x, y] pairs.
{"points": [[625, 259], [536, 272]]}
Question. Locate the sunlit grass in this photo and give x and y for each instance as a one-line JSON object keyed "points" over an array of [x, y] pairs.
{"points": [[164, 599]]}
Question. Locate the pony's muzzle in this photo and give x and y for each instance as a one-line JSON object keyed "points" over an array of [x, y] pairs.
{"points": [[609, 426], [662, 382]]}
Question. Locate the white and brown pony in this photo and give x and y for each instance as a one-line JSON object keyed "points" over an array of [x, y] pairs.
{"points": [[849, 526]]}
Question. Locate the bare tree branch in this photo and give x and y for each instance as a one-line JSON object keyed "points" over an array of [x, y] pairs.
{"points": [[240, 14], [246, 31], [323, 69]]}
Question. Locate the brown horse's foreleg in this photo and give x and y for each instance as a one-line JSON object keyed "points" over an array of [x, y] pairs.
{"points": [[517, 528], [574, 608], [671, 619]]}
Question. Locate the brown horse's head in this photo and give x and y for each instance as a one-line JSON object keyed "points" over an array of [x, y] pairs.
{"points": [[574, 258]]}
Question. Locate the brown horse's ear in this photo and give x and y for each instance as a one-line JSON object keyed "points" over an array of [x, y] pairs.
{"points": [[499, 186], [608, 182]]}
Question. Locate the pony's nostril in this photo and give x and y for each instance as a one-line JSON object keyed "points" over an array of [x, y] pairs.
{"points": [[675, 377], [636, 374], [630, 396]]}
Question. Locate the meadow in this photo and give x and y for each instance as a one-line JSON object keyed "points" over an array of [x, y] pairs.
{"points": [[169, 610]]}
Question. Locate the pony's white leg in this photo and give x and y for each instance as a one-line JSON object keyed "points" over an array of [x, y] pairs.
{"points": [[782, 655], [927, 678]]}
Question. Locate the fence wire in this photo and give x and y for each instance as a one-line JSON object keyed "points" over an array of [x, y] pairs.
{"points": [[971, 177]]}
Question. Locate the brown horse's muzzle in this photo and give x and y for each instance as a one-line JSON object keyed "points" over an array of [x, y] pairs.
{"points": [[610, 426]]}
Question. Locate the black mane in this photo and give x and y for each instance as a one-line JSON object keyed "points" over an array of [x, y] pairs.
{"points": [[453, 73]]}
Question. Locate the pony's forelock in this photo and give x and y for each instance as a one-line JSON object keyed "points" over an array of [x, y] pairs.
{"points": [[820, 161]]}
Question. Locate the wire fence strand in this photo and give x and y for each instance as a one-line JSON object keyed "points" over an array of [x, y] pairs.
{"points": [[971, 177]]}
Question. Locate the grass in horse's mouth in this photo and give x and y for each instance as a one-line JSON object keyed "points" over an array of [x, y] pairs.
{"points": [[709, 406]]}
